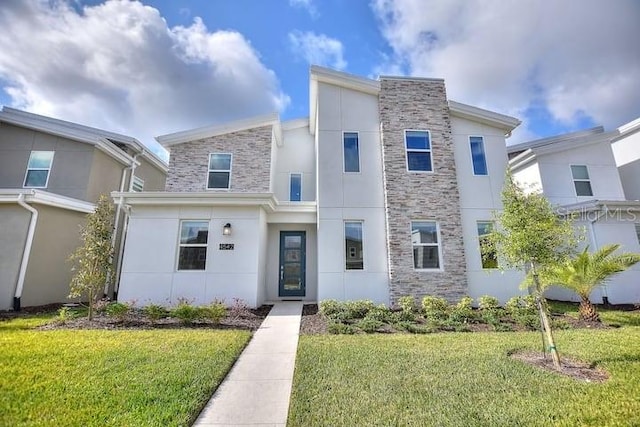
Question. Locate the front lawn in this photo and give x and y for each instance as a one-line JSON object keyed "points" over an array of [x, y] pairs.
{"points": [[118, 378], [462, 379]]}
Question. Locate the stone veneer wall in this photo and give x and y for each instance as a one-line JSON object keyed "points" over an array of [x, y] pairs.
{"points": [[420, 104], [250, 164]]}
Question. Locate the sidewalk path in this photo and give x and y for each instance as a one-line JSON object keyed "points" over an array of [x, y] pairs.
{"points": [[258, 387]]}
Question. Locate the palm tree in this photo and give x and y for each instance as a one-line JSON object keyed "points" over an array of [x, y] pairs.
{"points": [[585, 272]]}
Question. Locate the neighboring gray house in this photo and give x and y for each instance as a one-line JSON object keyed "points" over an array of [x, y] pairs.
{"points": [[51, 174]]}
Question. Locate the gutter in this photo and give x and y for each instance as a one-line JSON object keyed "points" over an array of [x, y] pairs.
{"points": [[27, 251], [123, 238], [594, 239]]}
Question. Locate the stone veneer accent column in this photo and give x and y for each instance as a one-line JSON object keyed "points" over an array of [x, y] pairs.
{"points": [[420, 104], [250, 164]]}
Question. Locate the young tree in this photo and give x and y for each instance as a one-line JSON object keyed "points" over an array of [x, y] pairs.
{"points": [[585, 272], [529, 236], [93, 260]]}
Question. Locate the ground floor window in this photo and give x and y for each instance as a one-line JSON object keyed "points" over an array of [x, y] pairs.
{"points": [[193, 245], [353, 245], [426, 245], [488, 255]]}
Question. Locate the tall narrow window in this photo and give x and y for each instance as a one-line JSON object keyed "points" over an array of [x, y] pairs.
{"points": [[137, 185], [193, 245], [219, 170], [353, 245], [38, 169], [351, 152], [487, 254], [478, 158], [581, 180], [426, 245], [418, 147], [295, 187]]}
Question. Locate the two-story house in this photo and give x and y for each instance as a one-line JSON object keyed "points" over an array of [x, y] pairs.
{"points": [[51, 174], [385, 190], [578, 173], [626, 151]]}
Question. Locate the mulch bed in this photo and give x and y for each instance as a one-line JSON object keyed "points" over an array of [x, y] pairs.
{"points": [[244, 318], [570, 367], [312, 321]]}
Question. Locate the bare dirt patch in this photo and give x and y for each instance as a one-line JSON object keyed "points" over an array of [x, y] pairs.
{"points": [[568, 366]]}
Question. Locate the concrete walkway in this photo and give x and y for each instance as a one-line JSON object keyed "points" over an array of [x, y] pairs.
{"points": [[258, 388]]}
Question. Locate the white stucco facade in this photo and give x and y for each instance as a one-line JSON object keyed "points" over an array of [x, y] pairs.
{"points": [[323, 216]]}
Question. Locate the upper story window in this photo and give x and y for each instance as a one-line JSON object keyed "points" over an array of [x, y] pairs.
{"points": [[353, 245], [488, 255], [418, 147], [137, 184], [295, 187], [219, 171], [476, 144], [38, 169], [581, 180], [426, 245], [351, 151], [193, 245]]}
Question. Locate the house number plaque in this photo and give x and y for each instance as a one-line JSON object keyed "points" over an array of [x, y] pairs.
{"points": [[226, 246]]}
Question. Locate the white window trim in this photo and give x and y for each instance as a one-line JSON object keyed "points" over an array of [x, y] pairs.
{"points": [[200, 245], [139, 181], [344, 249], [219, 170], [344, 164], [301, 180], [418, 150], [493, 223], [439, 244], [573, 180], [26, 173], [484, 151]]}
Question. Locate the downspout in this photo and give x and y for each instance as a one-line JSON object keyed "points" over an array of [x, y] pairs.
{"points": [[594, 239], [27, 251], [123, 238], [116, 223]]}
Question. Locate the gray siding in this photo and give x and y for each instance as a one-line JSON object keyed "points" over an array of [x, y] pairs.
{"points": [[71, 166], [421, 104], [14, 223], [251, 150]]}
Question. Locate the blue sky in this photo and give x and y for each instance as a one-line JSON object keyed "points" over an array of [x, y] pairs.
{"points": [[151, 68]]}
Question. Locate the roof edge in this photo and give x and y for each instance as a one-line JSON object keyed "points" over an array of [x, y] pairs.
{"points": [[503, 121], [221, 129]]}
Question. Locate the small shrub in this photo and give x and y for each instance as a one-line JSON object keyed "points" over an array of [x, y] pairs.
{"points": [[381, 313], [560, 324], [238, 308], [330, 307], [118, 310], [521, 305], [340, 328], [435, 307], [186, 313], [415, 328], [463, 310], [64, 315], [529, 321], [358, 309], [407, 304], [101, 305], [487, 302], [154, 312], [406, 316], [369, 325], [214, 312]]}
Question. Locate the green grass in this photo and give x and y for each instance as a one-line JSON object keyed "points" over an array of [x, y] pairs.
{"points": [[462, 379], [102, 378]]}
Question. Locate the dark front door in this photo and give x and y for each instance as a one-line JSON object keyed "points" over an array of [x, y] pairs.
{"points": [[292, 264]]}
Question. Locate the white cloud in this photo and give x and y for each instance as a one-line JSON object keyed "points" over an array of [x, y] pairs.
{"points": [[118, 66], [318, 49], [576, 57], [308, 5]]}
